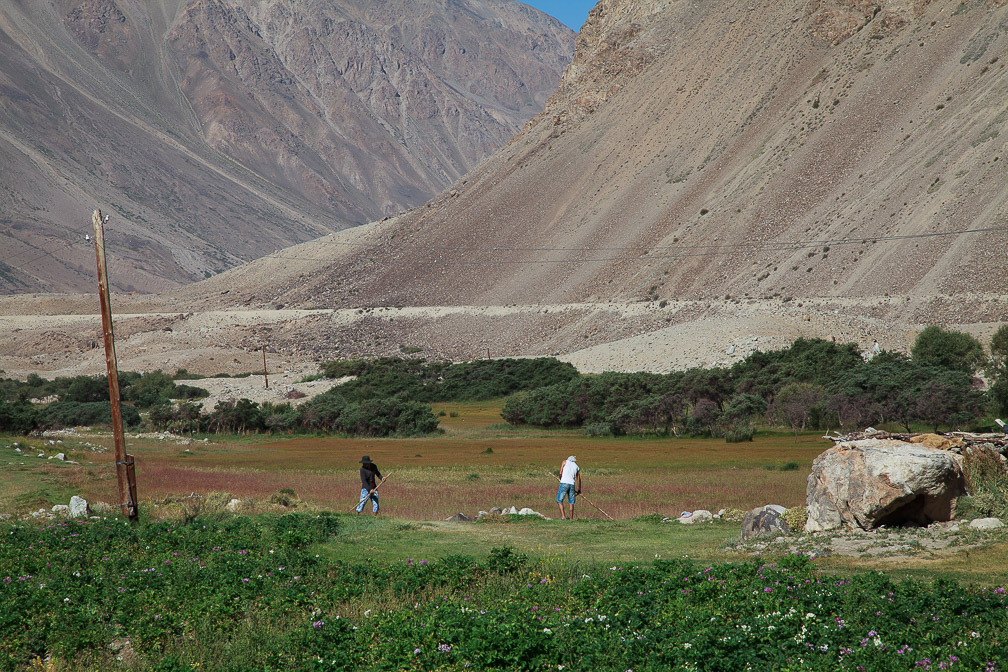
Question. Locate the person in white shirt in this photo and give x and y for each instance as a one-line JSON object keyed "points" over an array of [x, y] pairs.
{"points": [[570, 485]]}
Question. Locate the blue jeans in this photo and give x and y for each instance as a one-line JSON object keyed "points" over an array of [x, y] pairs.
{"points": [[565, 489], [364, 497]]}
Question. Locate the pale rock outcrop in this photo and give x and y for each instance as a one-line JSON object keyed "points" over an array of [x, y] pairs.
{"points": [[873, 482]]}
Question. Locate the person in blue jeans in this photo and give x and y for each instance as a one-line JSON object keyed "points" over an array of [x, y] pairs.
{"points": [[368, 472], [570, 485]]}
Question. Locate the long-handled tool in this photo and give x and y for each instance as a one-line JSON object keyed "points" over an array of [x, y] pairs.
{"points": [[582, 497], [368, 495]]}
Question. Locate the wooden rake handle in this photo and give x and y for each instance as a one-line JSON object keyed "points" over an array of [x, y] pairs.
{"points": [[365, 497]]}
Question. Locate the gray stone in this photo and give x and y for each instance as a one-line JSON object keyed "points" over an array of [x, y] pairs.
{"points": [[61, 510], [496, 510], [511, 511], [986, 524], [234, 505], [58, 456], [871, 483], [79, 507], [764, 521], [459, 518], [698, 516], [481, 514]]}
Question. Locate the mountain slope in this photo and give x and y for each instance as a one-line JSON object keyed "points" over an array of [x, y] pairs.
{"points": [[703, 150], [214, 131]]}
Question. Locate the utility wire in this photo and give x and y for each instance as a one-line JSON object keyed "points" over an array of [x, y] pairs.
{"points": [[677, 251]]}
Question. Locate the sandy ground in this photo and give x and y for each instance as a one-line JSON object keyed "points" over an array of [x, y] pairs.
{"points": [[66, 339]]}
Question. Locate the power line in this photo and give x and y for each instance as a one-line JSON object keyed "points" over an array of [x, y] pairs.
{"points": [[675, 251], [679, 251]]}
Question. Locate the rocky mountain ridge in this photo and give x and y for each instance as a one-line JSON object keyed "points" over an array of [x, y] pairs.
{"points": [[215, 131], [708, 150], [710, 179]]}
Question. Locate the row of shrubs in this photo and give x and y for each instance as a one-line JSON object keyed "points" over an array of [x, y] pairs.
{"points": [[387, 396], [142, 390], [812, 384], [328, 413], [430, 381]]}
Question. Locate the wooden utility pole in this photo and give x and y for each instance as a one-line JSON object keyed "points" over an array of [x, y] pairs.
{"points": [[265, 377], [127, 495]]}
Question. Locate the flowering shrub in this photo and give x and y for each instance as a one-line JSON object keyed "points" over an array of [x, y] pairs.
{"points": [[265, 592]]}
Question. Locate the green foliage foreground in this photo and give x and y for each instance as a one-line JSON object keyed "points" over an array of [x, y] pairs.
{"points": [[240, 594]]}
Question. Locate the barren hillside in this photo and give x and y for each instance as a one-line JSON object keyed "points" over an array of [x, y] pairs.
{"points": [[215, 131], [715, 149], [710, 178]]}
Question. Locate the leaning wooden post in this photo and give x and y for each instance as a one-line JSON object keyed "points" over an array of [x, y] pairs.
{"points": [[265, 377], [127, 497]]}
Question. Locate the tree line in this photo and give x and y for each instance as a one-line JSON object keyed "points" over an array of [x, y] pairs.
{"points": [[813, 384]]}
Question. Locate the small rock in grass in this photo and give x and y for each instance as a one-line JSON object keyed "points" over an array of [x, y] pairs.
{"points": [[698, 516], [61, 510], [78, 507], [986, 524]]}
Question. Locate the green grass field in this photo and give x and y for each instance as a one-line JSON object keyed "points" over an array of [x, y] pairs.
{"points": [[476, 464]]}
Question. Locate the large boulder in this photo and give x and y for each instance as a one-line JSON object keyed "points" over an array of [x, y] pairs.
{"points": [[765, 521], [868, 483]]}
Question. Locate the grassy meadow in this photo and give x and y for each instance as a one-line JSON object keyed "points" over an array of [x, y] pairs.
{"points": [[477, 463], [299, 583]]}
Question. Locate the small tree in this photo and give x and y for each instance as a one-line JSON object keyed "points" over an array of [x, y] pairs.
{"points": [[794, 404], [950, 350], [938, 403], [704, 416], [998, 369]]}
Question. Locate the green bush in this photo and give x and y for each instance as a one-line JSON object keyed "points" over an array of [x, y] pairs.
{"points": [[739, 433], [18, 417], [373, 417], [184, 417], [419, 380], [949, 350], [796, 517], [74, 414], [987, 480], [235, 416]]}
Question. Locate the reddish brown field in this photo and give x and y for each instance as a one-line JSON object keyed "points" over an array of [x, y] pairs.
{"points": [[432, 478]]}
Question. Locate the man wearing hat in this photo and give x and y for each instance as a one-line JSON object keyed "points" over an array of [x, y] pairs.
{"points": [[570, 485], [368, 472]]}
